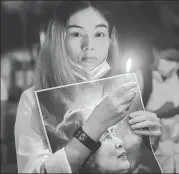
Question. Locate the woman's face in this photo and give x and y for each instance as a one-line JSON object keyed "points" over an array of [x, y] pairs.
{"points": [[87, 40], [111, 157]]}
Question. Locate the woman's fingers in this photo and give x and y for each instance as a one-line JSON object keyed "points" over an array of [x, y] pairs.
{"points": [[124, 88], [122, 109], [115, 105], [137, 113], [127, 97], [148, 132], [125, 102], [137, 119], [147, 128], [145, 114], [124, 95], [146, 124]]}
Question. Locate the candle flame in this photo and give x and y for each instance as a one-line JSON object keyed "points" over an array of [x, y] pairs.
{"points": [[128, 65]]}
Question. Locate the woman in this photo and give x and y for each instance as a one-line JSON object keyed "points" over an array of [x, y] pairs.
{"points": [[111, 157], [79, 45]]}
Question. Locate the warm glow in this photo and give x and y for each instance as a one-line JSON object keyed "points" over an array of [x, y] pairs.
{"points": [[128, 65]]}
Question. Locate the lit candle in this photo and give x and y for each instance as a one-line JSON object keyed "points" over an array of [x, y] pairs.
{"points": [[133, 77], [130, 76], [128, 65]]}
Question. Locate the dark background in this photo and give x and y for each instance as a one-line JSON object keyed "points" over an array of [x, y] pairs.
{"points": [[154, 23]]}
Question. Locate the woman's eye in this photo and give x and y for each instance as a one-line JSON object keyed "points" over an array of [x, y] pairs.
{"points": [[99, 34], [107, 137], [113, 132], [76, 34]]}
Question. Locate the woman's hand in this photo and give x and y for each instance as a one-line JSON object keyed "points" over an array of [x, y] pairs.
{"points": [[145, 123], [111, 110]]}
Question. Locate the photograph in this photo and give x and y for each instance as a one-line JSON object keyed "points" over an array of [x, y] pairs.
{"points": [[63, 109], [89, 86]]}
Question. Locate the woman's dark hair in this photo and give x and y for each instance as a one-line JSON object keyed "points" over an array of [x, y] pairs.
{"points": [[68, 8], [52, 67]]}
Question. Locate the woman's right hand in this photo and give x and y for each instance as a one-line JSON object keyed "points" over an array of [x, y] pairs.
{"points": [[111, 110]]}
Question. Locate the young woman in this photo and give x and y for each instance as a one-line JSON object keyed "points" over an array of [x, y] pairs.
{"points": [[80, 45]]}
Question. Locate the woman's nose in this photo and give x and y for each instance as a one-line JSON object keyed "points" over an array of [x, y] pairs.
{"points": [[87, 43], [118, 143]]}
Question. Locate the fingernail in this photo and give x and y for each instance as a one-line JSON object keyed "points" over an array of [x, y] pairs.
{"points": [[130, 115]]}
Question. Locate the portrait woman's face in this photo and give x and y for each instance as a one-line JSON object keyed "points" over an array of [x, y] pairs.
{"points": [[87, 39], [111, 157]]}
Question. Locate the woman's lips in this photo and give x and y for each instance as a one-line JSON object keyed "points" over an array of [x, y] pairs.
{"points": [[89, 59], [122, 155]]}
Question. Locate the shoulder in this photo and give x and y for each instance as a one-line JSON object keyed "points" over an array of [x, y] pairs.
{"points": [[27, 111], [27, 101], [30, 92], [28, 96]]}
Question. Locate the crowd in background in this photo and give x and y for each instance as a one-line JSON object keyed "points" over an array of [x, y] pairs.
{"points": [[148, 35]]}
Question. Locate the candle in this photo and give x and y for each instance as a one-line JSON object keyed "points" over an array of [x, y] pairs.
{"points": [[128, 65], [132, 77]]}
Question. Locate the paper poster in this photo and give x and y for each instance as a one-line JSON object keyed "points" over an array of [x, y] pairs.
{"points": [[65, 108]]}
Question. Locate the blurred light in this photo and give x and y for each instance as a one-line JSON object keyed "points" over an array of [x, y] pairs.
{"points": [[42, 37], [128, 65]]}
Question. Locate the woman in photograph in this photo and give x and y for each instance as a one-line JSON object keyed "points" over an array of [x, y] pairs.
{"points": [[110, 158], [80, 45]]}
